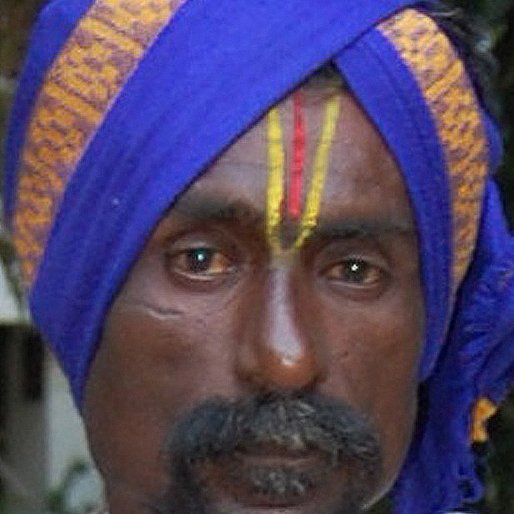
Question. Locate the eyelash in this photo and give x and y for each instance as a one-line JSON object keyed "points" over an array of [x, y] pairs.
{"points": [[204, 261], [365, 273], [201, 263]]}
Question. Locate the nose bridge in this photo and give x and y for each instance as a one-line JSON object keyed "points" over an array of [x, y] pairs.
{"points": [[277, 351], [285, 337]]}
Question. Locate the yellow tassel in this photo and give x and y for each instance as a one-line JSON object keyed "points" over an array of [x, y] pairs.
{"points": [[484, 409]]}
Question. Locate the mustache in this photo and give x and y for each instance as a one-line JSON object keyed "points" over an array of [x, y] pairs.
{"points": [[289, 422], [294, 423]]}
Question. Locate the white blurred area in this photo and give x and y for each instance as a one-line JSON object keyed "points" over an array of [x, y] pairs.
{"points": [[45, 467]]}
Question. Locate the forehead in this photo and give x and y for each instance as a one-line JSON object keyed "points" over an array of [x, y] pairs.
{"points": [[363, 178]]}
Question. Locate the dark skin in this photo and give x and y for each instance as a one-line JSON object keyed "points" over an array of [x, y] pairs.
{"points": [[209, 311]]}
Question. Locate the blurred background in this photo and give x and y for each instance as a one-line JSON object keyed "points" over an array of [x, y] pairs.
{"points": [[44, 464]]}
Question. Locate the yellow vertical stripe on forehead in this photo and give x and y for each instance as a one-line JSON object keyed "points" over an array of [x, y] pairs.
{"points": [[276, 170], [84, 81], [319, 172], [450, 97]]}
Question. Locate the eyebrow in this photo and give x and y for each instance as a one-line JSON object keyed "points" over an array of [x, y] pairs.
{"points": [[202, 208], [363, 228]]}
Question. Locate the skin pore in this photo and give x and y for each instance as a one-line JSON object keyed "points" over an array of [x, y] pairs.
{"points": [[235, 378]]}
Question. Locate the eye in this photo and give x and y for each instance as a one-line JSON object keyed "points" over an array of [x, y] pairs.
{"points": [[201, 263], [356, 272]]}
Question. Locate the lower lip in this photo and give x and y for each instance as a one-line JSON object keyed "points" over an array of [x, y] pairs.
{"points": [[230, 477]]}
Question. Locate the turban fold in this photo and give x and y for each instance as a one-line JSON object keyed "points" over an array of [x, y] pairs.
{"points": [[124, 103]]}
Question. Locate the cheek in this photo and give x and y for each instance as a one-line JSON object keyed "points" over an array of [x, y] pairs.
{"points": [[153, 364], [374, 354]]}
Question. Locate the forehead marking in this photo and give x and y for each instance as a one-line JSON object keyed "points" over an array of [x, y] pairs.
{"points": [[275, 190], [319, 172], [276, 176], [294, 197]]}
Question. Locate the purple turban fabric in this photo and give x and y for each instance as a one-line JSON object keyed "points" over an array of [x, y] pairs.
{"points": [[123, 104]]}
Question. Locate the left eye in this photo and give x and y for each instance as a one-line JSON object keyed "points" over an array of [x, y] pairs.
{"points": [[356, 272], [201, 262]]}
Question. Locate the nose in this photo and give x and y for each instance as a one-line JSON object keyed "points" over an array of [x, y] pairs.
{"points": [[277, 350]]}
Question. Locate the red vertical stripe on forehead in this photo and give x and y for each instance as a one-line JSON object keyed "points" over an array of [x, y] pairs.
{"points": [[294, 196]]}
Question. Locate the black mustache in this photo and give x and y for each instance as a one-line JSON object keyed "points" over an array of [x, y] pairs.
{"points": [[295, 423], [303, 422]]}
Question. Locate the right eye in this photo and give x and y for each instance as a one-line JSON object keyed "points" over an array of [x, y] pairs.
{"points": [[202, 263]]}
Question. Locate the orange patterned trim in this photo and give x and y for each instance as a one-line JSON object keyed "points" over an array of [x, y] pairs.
{"points": [[82, 84], [449, 94]]}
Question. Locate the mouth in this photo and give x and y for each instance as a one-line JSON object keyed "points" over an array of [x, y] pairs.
{"points": [[272, 453], [267, 477]]}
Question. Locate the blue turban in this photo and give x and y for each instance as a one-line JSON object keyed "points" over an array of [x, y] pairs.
{"points": [[123, 103]]}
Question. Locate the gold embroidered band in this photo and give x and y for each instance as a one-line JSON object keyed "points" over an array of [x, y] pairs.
{"points": [[451, 99], [80, 87]]}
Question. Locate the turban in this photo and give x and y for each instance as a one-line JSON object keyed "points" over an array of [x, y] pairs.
{"points": [[123, 103]]}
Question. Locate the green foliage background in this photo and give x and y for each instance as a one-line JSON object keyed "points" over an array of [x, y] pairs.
{"points": [[16, 16]]}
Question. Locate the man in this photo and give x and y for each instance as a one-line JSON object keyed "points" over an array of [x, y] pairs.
{"points": [[271, 291]]}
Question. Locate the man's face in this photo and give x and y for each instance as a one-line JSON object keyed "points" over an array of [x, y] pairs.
{"points": [[245, 368]]}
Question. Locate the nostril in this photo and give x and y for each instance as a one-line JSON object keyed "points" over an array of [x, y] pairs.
{"points": [[265, 365], [276, 371], [288, 362]]}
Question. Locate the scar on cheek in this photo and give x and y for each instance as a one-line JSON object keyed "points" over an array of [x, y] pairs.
{"points": [[277, 178], [137, 305]]}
